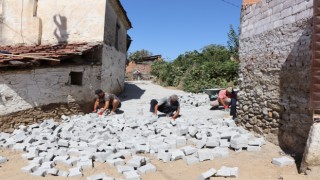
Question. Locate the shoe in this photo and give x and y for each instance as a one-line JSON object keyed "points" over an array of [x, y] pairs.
{"points": [[112, 113]]}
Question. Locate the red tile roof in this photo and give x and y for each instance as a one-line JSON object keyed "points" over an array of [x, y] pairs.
{"points": [[10, 54]]}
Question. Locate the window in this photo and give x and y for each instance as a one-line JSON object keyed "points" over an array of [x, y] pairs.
{"points": [[76, 78]]}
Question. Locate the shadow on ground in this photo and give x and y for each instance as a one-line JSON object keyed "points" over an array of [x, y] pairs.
{"points": [[131, 91]]}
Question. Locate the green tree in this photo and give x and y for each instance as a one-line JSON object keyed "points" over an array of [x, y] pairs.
{"points": [[233, 42], [135, 56]]}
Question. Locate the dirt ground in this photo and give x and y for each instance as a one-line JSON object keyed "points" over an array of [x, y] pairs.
{"points": [[252, 165]]}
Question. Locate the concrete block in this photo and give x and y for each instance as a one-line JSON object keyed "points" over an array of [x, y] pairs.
{"points": [[75, 172], [63, 143], [191, 160], [3, 159], [164, 156], [101, 176], [116, 162], [40, 172], [88, 164], [239, 142], [283, 161], [188, 150], [101, 156], [122, 169], [52, 171], [19, 147], [148, 168], [212, 142], [206, 175], [60, 159], [205, 154], [30, 168], [200, 144], [224, 143], [142, 148], [131, 175], [176, 154], [228, 172], [48, 165], [37, 160], [181, 141], [63, 173], [136, 162], [253, 148], [192, 131]]}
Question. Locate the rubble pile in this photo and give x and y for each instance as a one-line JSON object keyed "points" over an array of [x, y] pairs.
{"points": [[120, 141], [194, 100]]}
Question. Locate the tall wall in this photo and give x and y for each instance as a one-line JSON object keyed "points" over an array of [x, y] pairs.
{"points": [[275, 63], [52, 21]]}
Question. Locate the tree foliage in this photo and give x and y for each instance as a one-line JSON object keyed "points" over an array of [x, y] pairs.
{"points": [[134, 56], [233, 42]]}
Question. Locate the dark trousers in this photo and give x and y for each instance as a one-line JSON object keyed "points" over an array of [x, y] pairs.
{"points": [[233, 107], [169, 110]]}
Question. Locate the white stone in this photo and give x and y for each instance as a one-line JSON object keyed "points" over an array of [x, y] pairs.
{"points": [[176, 154], [191, 160], [205, 154], [207, 174], [3, 159], [30, 168], [101, 176], [122, 169], [53, 171], [148, 168], [164, 156], [283, 161], [188, 150], [228, 172], [75, 172], [131, 175]]}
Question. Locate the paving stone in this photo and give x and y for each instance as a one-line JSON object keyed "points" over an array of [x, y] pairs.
{"points": [[47, 165], [63, 143], [101, 176], [40, 172], [239, 142], [181, 141], [188, 150], [176, 154], [283, 161], [164, 156], [253, 148], [122, 169], [205, 154], [191, 160], [148, 168], [206, 175], [132, 175], [192, 131], [75, 172], [3, 159], [228, 172], [53, 172], [63, 173], [115, 162], [30, 168], [87, 164], [200, 144], [212, 142]]}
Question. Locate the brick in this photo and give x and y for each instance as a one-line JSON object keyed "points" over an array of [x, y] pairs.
{"points": [[283, 161], [148, 168], [206, 175], [228, 172]]}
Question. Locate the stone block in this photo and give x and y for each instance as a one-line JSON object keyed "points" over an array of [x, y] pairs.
{"points": [[148, 168], [224, 143], [63, 173], [191, 160], [3, 159], [239, 142], [192, 131], [122, 169], [188, 150], [101, 176], [63, 143], [205, 154], [87, 164], [60, 159], [132, 175], [206, 175], [48, 165], [253, 148], [75, 172], [228, 172], [116, 162], [164, 156], [283, 161], [101, 156], [212, 142], [176, 154], [200, 144], [52, 171], [40, 172], [181, 141], [30, 168]]}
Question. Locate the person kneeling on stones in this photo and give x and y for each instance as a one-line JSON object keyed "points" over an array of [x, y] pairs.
{"points": [[168, 105], [227, 98], [106, 101]]}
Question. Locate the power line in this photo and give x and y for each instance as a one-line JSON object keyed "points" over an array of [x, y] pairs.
{"points": [[230, 3]]}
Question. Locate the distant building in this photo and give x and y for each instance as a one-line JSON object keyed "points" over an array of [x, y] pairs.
{"points": [[141, 68], [54, 54]]}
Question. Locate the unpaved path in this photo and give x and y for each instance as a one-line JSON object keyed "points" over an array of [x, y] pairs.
{"points": [[252, 165]]}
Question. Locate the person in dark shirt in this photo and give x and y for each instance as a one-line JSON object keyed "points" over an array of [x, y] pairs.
{"points": [[106, 102], [168, 105]]}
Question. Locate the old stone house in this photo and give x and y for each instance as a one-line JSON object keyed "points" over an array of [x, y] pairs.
{"points": [[55, 53], [278, 72]]}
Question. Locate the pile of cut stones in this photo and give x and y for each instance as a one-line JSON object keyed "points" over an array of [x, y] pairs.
{"points": [[120, 141], [195, 100]]}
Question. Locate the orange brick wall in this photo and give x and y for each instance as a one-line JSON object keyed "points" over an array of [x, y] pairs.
{"points": [[245, 2]]}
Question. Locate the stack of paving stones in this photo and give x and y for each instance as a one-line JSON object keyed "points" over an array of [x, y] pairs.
{"points": [[195, 100], [227, 172], [81, 141]]}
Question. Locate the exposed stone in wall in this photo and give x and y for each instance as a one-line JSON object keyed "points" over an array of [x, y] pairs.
{"points": [[275, 63], [30, 116]]}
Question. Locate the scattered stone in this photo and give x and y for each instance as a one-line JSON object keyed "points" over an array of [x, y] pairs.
{"points": [[207, 174], [131, 175], [3, 159], [228, 172], [283, 161], [74, 172], [205, 154], [101, 176], [148, 168], [191, 160]]}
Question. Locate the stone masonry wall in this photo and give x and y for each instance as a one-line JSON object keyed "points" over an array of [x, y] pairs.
{"points": [[275, 63]]}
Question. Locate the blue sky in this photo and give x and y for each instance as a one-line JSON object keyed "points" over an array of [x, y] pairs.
{"points": [[172, 27]]}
